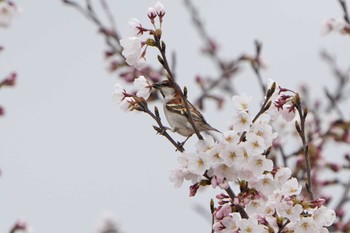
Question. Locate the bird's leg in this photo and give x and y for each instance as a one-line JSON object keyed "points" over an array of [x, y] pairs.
{"points": [[162, 130], [183, 143]]}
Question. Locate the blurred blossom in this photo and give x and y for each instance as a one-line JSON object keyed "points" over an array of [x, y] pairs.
{"points": [[118, 94], [10, 80], [21, 226], [108, 224], [338, 25], [135, 27], [8, 10], [127, 103]]}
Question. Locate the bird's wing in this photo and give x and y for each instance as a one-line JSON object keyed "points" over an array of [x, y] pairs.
{"points": [[177, 106]]}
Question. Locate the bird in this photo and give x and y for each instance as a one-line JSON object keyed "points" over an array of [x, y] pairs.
{"points": [[176, 113]]}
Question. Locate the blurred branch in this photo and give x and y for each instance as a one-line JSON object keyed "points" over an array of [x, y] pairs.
{"points": [[109, 15], [227, 69], [256, 65], [111, 35], [342, 78], [345, 197], [210, 45]]}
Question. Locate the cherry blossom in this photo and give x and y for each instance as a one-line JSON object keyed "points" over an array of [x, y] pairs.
{"points": [[143, 87], [241, 103], [132, 52]]}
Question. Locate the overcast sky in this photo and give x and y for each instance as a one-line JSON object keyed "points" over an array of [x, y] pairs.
{"points": [[67, 154]]}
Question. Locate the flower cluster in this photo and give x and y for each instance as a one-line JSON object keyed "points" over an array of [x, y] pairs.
{"points": [[268, 195], [279, 212], [134, 49]]}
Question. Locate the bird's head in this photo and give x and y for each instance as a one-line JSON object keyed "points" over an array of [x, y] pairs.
{"points": [[166, 88]]}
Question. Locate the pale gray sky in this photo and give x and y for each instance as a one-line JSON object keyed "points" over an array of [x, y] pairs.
{"points": [[67, 154]]}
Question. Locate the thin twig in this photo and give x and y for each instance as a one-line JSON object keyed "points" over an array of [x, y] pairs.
{"points": [[301, 131], [343, 80], [265, 106], [256, 70], [162, 130], [333, 102]]}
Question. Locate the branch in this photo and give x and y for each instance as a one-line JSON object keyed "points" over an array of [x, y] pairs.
{"points": [[301, 131], [161, 129], [240, 209]]}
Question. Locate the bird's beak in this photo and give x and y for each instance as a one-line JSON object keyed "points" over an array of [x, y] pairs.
{"points": [[156, 85]]}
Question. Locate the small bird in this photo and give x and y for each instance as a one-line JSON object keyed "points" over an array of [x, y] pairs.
{"points": [[175, 111]]}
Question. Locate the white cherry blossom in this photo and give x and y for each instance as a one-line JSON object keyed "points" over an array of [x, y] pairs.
{"points": [[143, 87], [132, 51]]}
